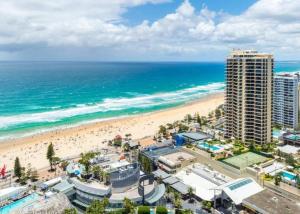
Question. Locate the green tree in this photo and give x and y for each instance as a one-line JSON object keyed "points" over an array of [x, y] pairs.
{"points": [[168, 191], [188, 118], [277, 179], [182, 128], [23, 179], [198, 119], [96, 207], [128, 205], [218, 113], [70, 211], [105, 202], [204, 120], [18, 168], [85, 160], [207, 205], [64, 164], [161, 210], [177, 203], [56, 161], [97, 171], [34, 175], [162, 130], [290, 160], [50, 155], [190, 193], [297, 179]]}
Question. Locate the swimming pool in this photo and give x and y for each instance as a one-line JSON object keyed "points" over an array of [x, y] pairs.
{"points": [[17, 204], [288, 175], [276, 133], [206, 146]]}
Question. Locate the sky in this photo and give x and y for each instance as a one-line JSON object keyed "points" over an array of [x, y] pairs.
{"points": [[147, 30]]}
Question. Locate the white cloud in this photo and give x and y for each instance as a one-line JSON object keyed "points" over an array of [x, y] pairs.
{"points": [[187, 33]]}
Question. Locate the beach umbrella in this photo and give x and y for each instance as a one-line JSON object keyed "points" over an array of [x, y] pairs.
{"points": [[3, 171]]}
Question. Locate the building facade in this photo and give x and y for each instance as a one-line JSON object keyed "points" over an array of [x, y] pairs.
{"points": [[248, 100], [286, 100]]}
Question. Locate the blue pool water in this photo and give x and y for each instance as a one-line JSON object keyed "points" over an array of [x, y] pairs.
{"points": [[288, 175], [276, 133], [9, 208], [210, 147]]}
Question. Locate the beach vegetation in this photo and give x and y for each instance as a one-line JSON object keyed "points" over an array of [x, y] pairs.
{"points": [[190, 193], [277, 179], [70, 211], [204, 121], [207, 205], [198, 120], [182, 211], [50, 155], [18, 168], [34, 175], [56, 161], [188, 118], [126, 147], [177, 203], [117, 141], [170, 126], [161, 210], [85, 160], [143, 210], [268, 177], [162, 131], [128, 205], [218, 113], [290, 160], [64, 164], [96, 207], [182, 128], [23, 179]]}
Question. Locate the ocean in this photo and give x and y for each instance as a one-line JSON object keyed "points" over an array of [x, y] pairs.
{"points": [[40, 96]]}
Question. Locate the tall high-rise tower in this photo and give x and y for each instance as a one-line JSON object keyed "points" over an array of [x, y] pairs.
{"points": [[248, 102], [286, 100]]}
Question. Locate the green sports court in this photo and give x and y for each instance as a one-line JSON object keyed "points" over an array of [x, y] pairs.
{"points": [[244, 160]]}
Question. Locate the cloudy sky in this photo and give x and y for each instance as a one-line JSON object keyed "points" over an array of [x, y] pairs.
{"points": [[147, 30]]}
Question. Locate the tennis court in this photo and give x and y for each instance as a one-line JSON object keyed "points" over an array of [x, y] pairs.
{"points": [[244, 160]]}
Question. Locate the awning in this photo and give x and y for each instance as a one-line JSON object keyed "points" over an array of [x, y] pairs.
{"points": [[160, 174], [171, 180], [158, 194], [181, 187]]}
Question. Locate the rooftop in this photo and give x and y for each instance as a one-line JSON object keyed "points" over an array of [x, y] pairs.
{"points": [[248, 53], [289, 149], [155, 152], [268, 201], [161, 174], [240, 189], [196, 136], [176, 158], [202, 180]]}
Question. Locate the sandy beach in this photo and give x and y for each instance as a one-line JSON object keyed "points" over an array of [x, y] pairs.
{"points": [[70, 142]]}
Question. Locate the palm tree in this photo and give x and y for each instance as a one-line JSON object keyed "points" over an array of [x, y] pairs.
{"points": [[128, 205], [190, 192], [168, 191], [50, 155]]}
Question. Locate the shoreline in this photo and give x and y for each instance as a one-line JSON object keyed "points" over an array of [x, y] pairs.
{"points": [[89, 135]]}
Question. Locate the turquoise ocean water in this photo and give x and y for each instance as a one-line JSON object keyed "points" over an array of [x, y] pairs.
{"points": [[38, 96]]}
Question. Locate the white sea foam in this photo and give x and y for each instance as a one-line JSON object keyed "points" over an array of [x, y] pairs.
{"points": [[113, 104]]}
